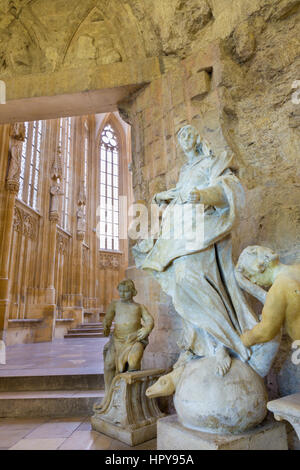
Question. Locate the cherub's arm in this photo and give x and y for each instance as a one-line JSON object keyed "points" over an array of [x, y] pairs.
{"points": [[109, 316], [148, 323], [273, 315]]}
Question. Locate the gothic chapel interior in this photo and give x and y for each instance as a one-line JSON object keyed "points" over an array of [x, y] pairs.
{"points": [[93, 97]]}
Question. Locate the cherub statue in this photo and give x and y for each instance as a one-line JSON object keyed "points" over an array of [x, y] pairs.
{"points": [[133, 324], [262, 267]]}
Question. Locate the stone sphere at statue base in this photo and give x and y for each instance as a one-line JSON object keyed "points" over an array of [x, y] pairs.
{"points": [[231, 404]]}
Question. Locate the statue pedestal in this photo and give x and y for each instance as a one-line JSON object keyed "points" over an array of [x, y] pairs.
{"points": [[171, 435], [127, 414], [287, 408]]}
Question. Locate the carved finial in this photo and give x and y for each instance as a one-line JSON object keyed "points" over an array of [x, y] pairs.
{"points": [[56, 169], [81, 219], [55, 188]]}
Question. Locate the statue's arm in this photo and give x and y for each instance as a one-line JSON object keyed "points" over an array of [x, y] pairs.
{"points": [[273, 315], [257, 291], [148, 323], [165, 196], [211, 196], [109, 316]]}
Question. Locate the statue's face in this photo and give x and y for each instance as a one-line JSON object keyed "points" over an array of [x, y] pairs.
{"points": [[261, 279], [258, 265], [188, 138], [125, 292]]}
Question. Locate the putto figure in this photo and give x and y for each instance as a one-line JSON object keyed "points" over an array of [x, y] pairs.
{"points": [[133, 324], [282, 305]]}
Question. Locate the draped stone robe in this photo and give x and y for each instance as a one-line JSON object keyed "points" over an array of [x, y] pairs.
{"points": [[201, 280]]}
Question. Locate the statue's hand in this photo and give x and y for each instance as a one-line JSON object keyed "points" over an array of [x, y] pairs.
{"points": [[131, 338], [158, 198], [195, 196], [142, 334], [163, 198], [246, 340]]}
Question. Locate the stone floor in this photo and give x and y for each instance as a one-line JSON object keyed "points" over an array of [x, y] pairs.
{"points": [[82, 356], [62, 356], [58, 434]]}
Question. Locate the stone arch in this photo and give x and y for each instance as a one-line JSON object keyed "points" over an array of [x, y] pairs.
{"points": [[106, 35], [93, 40], [21, 51]]}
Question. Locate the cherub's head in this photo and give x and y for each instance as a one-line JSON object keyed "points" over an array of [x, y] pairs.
{"points": [[127, 289], [257, 263]]}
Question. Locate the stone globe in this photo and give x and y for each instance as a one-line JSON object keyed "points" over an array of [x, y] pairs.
{"points": [[230, 404]]}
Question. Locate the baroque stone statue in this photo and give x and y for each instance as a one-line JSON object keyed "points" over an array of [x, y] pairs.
{"points": [[282, 306], [133, 324], [200, 278], [260, 266], [125, 412]]}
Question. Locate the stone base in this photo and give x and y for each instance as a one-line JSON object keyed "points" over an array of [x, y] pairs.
{"points": [[131, 437], [287, 408], [126, 413], [2, 352], [171, 435]]}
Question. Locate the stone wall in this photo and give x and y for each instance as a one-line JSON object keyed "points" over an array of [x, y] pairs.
{"points": [[225, 67], [237, 90]]}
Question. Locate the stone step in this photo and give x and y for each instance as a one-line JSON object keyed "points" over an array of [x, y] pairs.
{"points": [[90, 325], [85, 330], [38, 383], [53, 404], [84, 335]]}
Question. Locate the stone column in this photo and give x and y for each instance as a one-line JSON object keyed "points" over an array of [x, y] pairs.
{"points": [[80, 233], [47, 308], [55, 192], [73, 300], [17, 137]]}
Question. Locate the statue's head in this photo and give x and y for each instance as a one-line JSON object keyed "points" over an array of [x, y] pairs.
{"points": [[190, 139], [257, 263], [127, 289]]}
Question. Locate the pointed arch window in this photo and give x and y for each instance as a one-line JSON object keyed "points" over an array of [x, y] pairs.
{"points": [[30, 163], [65, 138], [109, 189], [86, 155]]}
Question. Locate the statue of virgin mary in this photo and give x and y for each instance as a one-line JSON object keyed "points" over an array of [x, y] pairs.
{"points": [[200, 277]]}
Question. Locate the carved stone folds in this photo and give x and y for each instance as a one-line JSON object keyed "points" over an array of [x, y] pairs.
{"points": [[127, 414]]}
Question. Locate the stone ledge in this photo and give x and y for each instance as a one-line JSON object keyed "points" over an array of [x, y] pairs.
{"points": [[171, 435], [23, 322], [64, 320]]}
